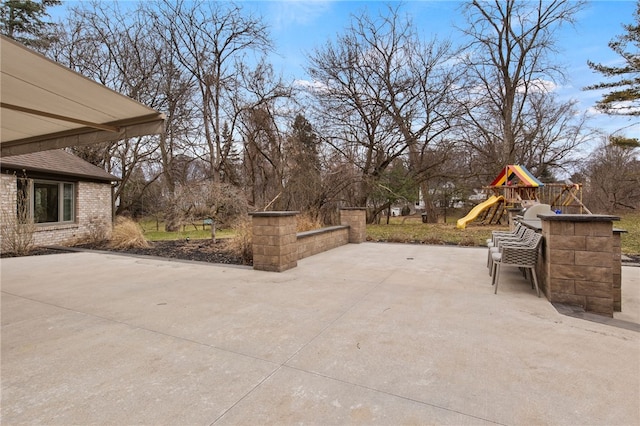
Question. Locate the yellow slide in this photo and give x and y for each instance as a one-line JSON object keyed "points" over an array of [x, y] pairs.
{"points": [[462, 223]]}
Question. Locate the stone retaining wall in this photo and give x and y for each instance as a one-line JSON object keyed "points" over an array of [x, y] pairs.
{"points": [[277, 247], [319, 240]]}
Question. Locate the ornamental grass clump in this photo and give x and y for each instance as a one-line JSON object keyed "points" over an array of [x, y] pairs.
{"points": [[241, 243], [307, 222], [127, 234]]}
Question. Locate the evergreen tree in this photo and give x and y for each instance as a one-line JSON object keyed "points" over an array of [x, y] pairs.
{"points": [[624, 95], [24, 21]]}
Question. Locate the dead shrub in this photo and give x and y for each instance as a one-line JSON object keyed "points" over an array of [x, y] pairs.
{"points": [[241, 243], [433, 240], [307, 222], [16, 226], [97, 233], [395, 237], [16, 236], [467, 242], [127, 234]]}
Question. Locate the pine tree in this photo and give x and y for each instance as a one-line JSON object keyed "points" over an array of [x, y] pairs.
{"points": [[24, 21], [624, 95]]}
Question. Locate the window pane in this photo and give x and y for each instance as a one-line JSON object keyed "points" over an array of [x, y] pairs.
{"points": [[67, 213], [45, 202]]}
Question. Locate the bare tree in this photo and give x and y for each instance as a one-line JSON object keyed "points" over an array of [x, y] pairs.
{"points": [[384, 93], [612, 179], [508, 59], [205, 199], [264, 158], [547, 140], [117, 50], [189, 60], [303, 186], [210, 41]]}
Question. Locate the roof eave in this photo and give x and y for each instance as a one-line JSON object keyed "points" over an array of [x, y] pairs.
{"points": [[42, 172], [140, 126]]}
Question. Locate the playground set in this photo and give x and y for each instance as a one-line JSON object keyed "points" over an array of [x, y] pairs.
{"points": [[516, 188]]}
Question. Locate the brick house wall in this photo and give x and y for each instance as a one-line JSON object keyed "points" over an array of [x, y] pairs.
{"points": [[93, 213], [8, 193], [8, 189]]}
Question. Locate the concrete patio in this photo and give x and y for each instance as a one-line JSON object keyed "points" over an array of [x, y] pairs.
{"points": [[362, 334]]}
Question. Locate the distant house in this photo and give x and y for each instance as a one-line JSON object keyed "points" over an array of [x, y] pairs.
{"points": [[68, 198]]}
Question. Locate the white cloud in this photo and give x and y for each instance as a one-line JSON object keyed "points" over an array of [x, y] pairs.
{"points": [[540, 86], [311, 85]]}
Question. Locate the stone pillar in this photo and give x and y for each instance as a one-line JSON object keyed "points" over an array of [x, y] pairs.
{"points": [[356, 219], [274, 241], [579, 260]]}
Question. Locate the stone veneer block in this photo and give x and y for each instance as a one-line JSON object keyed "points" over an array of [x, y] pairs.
{"points": [[569, 299], [566, 242], [565, 286], [617, 293], [562, 257], [599, 305], [562, 228], [579, 272], [592, 258], [594, 289], [599, 244], [277, 246], [593, 229]]}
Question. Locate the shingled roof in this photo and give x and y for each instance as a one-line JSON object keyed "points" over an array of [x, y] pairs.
{"points": [[57, 162]]}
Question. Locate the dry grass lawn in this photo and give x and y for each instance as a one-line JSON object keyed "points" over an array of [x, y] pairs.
{"points": [[412, 230]]}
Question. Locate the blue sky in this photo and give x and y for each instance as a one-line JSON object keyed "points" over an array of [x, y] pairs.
{"points": [[297, 26]]}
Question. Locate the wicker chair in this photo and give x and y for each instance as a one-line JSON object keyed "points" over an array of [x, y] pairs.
{"points": [[523, 240], [524, 257], [496, 235]]}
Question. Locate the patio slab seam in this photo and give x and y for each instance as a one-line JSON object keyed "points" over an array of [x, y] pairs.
{"points": [[304, 345], [395, 395]]}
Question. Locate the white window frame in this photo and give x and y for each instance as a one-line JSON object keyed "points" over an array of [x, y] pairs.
{"points": [[61, 201]]}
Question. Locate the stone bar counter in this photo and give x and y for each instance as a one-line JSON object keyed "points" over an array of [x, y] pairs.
{"points": [[581, 261]]}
